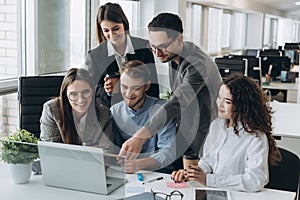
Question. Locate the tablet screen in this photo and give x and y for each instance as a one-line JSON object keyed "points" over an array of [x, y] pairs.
{"points": [[203, 194]]}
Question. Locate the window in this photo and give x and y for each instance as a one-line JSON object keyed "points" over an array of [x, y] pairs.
{"points": [[219, 31], [238, 36], [270, 32], [194, 23], [296, 31], [57, 35], [267, 26], [36, 38], [226, 30], [10, 54], [9, 44], [214, 30]]}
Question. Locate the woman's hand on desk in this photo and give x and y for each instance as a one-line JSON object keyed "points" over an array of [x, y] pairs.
{"points": [[193, 173], [179, 176]]}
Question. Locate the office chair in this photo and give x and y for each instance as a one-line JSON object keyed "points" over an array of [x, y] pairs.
{"points": [[285, 175], [33, 92]]}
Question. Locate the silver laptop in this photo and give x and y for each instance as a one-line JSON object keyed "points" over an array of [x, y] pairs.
{"points": [[80, 168]]}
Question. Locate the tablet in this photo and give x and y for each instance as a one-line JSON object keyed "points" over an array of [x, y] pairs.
{"points": [[212, 194]]}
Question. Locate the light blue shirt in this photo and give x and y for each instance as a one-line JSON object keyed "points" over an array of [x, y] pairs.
{"points": [[161, 147]]}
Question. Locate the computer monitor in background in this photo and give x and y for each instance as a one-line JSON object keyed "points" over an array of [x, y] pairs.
{"points": [[270, 52], [278, 63], [292, 46], [252, 52], [292, 50], [253, 65], [229, 66], [290, 54]]}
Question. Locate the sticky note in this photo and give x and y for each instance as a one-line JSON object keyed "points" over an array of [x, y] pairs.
{"points": [[177, 185]]}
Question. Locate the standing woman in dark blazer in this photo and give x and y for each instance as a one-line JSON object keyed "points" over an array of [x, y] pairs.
{"points": [[75, 117], [116, 46]]}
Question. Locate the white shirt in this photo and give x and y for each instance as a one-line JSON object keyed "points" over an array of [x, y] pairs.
{"points": [[120, 58], [238, 162]]}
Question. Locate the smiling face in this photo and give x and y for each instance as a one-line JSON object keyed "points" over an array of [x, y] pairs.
{"points": [[80, 96], [224, 103], [113, 32], [164, 48], [133, 91]]}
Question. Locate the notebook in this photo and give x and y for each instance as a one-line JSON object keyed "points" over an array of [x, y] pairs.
{"points": [[80, 168]]}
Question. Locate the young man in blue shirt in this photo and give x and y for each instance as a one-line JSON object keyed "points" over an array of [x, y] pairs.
{"points": [[158, 152]]}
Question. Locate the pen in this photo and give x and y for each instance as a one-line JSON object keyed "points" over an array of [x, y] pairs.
{"points": [[156, 179]]}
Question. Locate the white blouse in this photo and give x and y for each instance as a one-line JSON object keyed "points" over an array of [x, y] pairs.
{"points": [[121, 58], [238, 162]]}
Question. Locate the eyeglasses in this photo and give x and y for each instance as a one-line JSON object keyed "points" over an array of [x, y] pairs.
{"points": [[161, 48], [85, 94], [174, 195]]}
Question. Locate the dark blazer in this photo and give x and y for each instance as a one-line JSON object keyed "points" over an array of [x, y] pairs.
{"points": [[98, 64]]}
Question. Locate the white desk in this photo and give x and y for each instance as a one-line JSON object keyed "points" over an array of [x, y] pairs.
{"points": [[286, 119], [278, 85], [36, 190], [287, 126], [286, 88]]}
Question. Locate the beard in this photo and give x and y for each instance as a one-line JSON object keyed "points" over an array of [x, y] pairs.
{"points": [[136, 103], [169, 58]]}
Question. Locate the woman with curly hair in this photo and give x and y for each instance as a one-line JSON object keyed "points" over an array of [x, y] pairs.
{"points": [[240, 145]]}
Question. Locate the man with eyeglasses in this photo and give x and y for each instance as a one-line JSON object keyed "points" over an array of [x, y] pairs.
{"points": [[158, 152], [194, 80]]}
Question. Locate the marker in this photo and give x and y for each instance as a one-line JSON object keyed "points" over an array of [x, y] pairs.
{"points": [[140, 177], [156, 179]]}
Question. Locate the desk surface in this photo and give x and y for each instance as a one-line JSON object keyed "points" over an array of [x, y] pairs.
{"points": [[36, 190], [286, 119], [278, 85]]}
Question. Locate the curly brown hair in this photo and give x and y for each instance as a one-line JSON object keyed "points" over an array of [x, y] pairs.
{"points": [[251, 108]]}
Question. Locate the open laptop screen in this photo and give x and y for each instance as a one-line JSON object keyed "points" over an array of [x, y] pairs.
{"points": [[80, 168]]}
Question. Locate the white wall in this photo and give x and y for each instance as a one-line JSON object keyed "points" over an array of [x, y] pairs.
{"points": [[151, 8]]}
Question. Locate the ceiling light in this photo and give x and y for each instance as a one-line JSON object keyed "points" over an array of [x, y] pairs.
{"points": [[297, 3]]}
